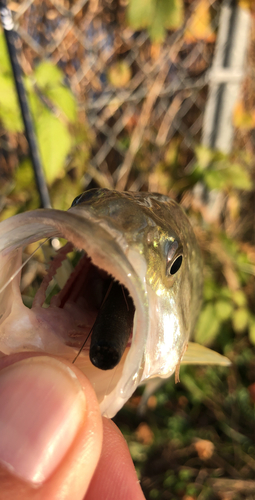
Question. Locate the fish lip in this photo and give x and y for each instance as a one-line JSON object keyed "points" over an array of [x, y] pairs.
{"points": [[82, 229]]}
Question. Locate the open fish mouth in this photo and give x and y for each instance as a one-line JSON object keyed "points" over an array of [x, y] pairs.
{"points": [[95, 304], [92, 311]]}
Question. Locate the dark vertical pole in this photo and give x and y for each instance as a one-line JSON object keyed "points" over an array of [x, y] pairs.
{"points": [[11, 37]]}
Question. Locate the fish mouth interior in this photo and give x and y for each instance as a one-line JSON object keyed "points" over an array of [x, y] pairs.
{"points": [[83, 312]]}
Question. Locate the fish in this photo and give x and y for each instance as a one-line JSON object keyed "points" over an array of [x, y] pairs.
{"points": [[128, 309]]}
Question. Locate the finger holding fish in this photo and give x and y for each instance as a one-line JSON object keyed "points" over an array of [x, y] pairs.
{"points": [[52, 397]]}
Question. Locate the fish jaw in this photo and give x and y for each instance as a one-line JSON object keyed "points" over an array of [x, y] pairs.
{"points": [[164, 350], [35, 334]]}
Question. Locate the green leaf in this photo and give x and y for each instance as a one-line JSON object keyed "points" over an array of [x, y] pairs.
{"points": [[63, 98], [240, 319], [223, 309], [5, 65], [49, 79], [156, 30], [252, 330], [9, 110], [48, 74], [25, 189], [211, 290], [156, 15], [214, 179], [223, 175], [140, 13], [171, 13], [239, 298], [225, 292], [204, 156], [54, 143], [208, 325], [64, 192], [220, 172], [36, 106], [24, 176], [192, 386], [238, 177]]}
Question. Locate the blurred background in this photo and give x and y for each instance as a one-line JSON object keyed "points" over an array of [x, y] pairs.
{"points": [[156, 95]]}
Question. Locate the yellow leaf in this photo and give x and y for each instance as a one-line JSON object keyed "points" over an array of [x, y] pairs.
{"points": [[246, 4], [242, 118], [119, 74], [199, 25]]}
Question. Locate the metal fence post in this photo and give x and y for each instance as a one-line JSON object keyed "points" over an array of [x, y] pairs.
{"points": [[226, 76]]}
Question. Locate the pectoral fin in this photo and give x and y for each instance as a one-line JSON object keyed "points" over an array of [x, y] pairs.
{"points": [[197, 354]]}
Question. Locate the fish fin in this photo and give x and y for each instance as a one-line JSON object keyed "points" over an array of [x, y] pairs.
{"points": [[177, 369], [197, 354], [177, 374]]}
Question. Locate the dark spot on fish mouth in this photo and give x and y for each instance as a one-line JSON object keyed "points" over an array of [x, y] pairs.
{"points": [[112, 328], [104, 357], [92, 312]]}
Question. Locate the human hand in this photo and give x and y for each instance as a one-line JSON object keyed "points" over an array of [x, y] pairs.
{"points": [[54, 444]]}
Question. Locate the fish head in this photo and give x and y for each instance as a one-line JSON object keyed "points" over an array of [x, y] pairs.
{"points": [[142, 240], [158, 240]]}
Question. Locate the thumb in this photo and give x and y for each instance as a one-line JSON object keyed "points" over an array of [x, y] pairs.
{"points": [[50, 429]]}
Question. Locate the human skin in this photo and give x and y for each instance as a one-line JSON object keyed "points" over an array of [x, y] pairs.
{"points": [[95, 464]]}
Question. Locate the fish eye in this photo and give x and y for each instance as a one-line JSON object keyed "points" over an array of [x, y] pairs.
{"points": [[175, 265], [173, 257]]}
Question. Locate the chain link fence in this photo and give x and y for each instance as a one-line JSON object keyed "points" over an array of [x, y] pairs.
{"points": [[138, 96]]}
